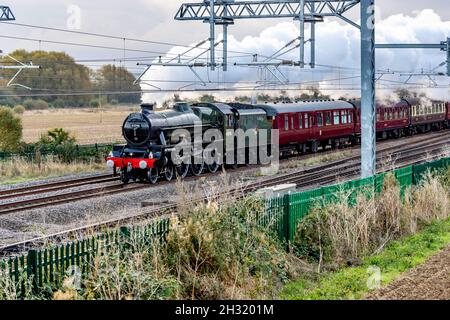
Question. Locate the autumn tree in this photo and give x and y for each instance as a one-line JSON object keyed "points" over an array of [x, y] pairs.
{"points": [[58, 73], [111, 78], [10, 130]]}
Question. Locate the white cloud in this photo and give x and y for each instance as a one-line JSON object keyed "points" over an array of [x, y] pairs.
{"points": [[337, 45]]}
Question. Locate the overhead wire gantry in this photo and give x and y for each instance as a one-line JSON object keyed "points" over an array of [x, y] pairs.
{"points": [[7, 15], [225, 12]]}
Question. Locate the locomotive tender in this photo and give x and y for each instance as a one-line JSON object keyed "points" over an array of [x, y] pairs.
{"points": [[303, 127]]}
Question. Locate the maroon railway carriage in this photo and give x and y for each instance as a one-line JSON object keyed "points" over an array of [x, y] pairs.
{"points": [[307, 125], [427, 115], [447, 118], [393, 119]]}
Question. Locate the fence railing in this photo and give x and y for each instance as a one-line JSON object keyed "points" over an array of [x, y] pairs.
{"points": [[48, 266]]}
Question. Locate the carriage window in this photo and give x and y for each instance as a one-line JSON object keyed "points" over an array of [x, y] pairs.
{"points": [[292, 122], [344, 117], [378, 116], [328, 118], [336, 117], [306, 121], [396, 116], [286, 122], [230, 121], [300, 121], [385, 114], [320, 119], [350, 117]]}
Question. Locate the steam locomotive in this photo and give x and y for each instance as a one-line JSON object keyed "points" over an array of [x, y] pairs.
{"points": [[303, 127]]}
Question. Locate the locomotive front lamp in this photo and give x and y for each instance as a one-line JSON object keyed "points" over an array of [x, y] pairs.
{"points": [[143, 164], [110, 164]]}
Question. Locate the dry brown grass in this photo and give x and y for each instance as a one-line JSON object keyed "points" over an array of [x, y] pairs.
{"points": [[345, 234], [89, 126], [19, 169]]}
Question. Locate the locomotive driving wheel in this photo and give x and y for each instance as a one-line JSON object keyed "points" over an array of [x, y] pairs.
{"points": [[169, 173], [197, 169], [183, 170], [153, 175], [213, 167], [124, 177]]}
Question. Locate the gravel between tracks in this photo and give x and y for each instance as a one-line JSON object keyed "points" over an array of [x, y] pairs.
{"points": [[429, 281]]}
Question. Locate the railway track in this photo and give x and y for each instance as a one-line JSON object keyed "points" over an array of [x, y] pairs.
{"points": [[337, 171], [55, 186], [310, 176]]}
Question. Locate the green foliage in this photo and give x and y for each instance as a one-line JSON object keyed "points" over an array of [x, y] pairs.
{"points": [[9, 99], [10, 130], [112, 78], [58, 71], [213, 252], [61, 142], [222, 246], [398, 257], [19, 109], [35, 104], [56, 137], [243, 99], [207, 98]]}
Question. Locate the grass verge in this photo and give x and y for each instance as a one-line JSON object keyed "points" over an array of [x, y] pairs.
{"points": [[352, 283], [20, 170]]}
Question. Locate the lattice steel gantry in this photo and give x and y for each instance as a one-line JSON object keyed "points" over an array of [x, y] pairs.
{"points": [[225, 12], [7, 15]]}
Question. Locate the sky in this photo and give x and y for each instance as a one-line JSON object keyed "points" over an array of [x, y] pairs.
{"points": [[337, 43]]}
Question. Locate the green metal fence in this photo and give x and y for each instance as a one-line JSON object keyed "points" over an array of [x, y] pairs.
{"points": [[297, 205], [49, 266]]}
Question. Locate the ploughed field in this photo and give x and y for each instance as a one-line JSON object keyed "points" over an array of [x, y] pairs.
{"points": [[429, 281], [89, 126]]}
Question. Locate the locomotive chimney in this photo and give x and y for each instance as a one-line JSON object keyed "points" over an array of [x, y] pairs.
{"points": [[148, 107]]}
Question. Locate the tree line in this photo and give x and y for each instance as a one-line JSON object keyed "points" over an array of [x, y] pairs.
{"points": [[59, 74]]}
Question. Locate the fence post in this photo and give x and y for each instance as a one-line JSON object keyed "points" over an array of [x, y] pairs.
{"points": [[124, 237], [32, 268], [287, 219]]}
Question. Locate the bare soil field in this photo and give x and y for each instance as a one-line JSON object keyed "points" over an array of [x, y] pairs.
{"points": [[429, 281], [89, 126]]}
